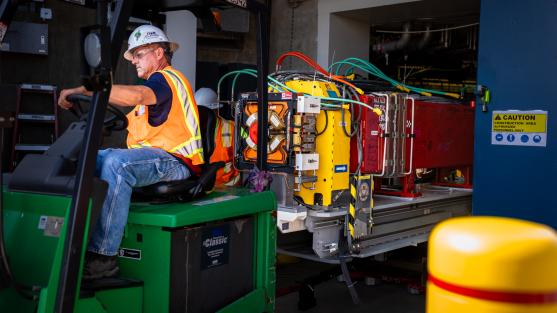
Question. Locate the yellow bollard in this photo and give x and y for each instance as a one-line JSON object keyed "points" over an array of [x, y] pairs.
{"points": [[492, 265]]}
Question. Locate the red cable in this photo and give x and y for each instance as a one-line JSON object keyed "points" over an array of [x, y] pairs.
{"points": [[313, 64]]}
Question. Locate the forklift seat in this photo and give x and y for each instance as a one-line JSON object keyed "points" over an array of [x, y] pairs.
{"points": [[194, 186]]}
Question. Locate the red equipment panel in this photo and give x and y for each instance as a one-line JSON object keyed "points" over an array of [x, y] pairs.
{"points": [[372, 135], [443, 134]]}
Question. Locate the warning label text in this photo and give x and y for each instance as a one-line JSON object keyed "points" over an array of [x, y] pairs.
{"points": [[519, 122]]}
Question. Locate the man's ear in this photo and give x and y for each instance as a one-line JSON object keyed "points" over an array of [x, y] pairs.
{"points": [[159, 53]]}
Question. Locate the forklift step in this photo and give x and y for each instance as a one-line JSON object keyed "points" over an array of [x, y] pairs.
{"points": [[89, 288]]}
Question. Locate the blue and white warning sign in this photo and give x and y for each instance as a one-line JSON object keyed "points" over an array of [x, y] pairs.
{"points": [[519, 128]]}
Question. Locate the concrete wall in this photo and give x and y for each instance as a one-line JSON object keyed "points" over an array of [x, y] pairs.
{"points": [[348, 38], [181, 28], [293, 28]]}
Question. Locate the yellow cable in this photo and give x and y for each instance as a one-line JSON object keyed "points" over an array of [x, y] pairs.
{"points": [[453, 95]]}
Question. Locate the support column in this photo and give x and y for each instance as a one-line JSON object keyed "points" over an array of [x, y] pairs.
{"points": [[181, 27]]}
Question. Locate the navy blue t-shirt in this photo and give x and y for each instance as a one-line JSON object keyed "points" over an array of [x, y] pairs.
{"points": [[158, 113]]}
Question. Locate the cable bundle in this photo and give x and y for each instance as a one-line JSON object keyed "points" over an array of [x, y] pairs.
{"points": [[373, 70], [316, 66]]}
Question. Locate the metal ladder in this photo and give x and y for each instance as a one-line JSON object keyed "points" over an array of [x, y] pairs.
{"points": [[26, 117]]}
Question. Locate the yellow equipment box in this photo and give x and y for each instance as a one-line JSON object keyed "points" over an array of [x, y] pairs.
{"points": [[332, 145]]}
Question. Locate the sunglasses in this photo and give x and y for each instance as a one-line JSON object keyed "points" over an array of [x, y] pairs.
{"points": [[141, 53]]}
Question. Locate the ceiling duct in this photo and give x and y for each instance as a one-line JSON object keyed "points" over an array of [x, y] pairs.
{"points": [[425, 39], [394, 45]]}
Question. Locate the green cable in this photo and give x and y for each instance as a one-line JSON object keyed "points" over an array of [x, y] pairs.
{"points": [[373, 70], [237, 74], [327, 98], [377, 111]]}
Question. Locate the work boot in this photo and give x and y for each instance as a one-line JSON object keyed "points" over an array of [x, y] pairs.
{"points": [[99, 266]]}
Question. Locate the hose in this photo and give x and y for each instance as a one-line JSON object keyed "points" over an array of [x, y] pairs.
{"points": [[373, 70], [317, 67], [375, 110], [237, 73]]}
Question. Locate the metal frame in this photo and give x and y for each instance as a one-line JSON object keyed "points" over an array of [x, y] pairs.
{"points": [[77, 217], [7, 10]]}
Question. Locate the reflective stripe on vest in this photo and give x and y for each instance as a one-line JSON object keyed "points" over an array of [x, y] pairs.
{"points": [[226, 133], [180, 133], [224, 150], [193, 145]]}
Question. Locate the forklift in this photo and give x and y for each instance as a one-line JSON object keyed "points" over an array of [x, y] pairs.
{"points": [[187, 246]]}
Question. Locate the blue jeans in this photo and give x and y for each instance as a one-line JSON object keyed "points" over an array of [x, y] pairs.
{"points": [[124, 169]]}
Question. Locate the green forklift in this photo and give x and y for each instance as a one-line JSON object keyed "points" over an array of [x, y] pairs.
{"points": [[187, 246]]}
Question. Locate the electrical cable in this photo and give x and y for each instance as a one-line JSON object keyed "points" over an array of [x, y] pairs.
{"points": [[316, 66], [239, 72], [326, 124], [373, 70], [302, 203], [375, 110], [347, 133], [356, 119], [426, 31], [369, 68]]}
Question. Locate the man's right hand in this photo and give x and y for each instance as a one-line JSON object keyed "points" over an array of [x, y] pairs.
{"points": [[63, 101]]}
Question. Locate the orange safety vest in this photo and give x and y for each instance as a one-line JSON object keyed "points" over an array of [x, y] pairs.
{"points": [[179, 134], [224, 151]]}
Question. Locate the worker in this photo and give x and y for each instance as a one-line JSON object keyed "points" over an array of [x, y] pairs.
{"points": [[224, 139], [207, 97], [164, 140]]}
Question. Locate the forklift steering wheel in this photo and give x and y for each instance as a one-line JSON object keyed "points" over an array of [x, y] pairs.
{"points": [[117, 120]]}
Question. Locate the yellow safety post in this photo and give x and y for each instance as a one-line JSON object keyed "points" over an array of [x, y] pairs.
{"points": [[492, 265]]}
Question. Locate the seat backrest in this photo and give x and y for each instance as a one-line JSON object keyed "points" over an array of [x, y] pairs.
{"points": [[207, 126]]}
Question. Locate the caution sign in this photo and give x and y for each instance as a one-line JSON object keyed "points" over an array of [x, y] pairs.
{"points": [[519, 128]]}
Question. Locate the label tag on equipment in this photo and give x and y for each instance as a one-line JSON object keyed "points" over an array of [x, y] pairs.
{"points": [[519, 128], [215, 243], [127, 253], [341, 168]]}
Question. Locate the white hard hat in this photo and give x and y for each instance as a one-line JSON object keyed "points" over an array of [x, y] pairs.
{"points": [[207, 97], [144, 35]]}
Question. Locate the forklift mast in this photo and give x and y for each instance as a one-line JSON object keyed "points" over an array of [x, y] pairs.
{"points": [[7, 10], [111, 34]]}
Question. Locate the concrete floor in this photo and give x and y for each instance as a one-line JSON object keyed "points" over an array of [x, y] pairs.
{"points": [[333, 296]]}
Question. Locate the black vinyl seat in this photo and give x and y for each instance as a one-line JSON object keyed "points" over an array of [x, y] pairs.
{"points": [[194, 186]]}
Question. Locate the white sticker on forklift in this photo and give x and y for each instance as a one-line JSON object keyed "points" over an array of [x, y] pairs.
{"points": [[216, 200], [42, 222], [127, 253], [519, 128]]}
